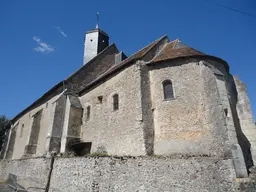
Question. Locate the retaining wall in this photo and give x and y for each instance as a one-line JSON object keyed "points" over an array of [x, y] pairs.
{"points": [[29, 172], [126, 174]]}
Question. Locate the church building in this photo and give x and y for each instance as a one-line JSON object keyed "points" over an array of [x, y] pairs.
{"points": [[166, 99]]}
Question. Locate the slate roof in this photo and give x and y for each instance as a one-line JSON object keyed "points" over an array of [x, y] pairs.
{"points": [[94, 68], [143, 54]]}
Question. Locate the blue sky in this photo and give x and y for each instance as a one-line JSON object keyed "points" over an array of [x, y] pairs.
{"points": [[41, 42]]}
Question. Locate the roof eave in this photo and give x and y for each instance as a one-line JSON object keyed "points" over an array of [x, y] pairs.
{"points": [[194, 56], [23, 112], [106, 75]]}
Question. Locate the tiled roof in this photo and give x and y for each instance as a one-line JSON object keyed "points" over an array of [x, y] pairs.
{"points": [[171, 52], [93, 69], [78, 80], [176, 49], [103, 65], [141, 53]]}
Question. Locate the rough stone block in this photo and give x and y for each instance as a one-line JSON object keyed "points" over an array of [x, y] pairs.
{"points": [[238, 160], [142, 174], [29, 172], [30, 149]]}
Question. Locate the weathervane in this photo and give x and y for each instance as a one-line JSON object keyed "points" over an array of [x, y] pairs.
{"points": [[98, 18]]}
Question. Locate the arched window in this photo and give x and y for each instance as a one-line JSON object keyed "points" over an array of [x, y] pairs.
{"points": [[115, 102], [168, 89]]}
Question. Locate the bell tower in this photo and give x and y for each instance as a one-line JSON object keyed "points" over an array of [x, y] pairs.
{"points": [[94, 42]]}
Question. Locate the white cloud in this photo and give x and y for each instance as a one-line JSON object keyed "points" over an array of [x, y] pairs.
{"points": [[42, 47], [62, 32]]}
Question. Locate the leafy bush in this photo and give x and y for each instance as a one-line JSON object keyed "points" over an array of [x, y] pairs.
{"points": [[5, 125]]}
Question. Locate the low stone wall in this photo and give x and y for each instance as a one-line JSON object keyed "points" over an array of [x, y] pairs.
{"points": [[127, 174], [142, 174], [29, 172]]}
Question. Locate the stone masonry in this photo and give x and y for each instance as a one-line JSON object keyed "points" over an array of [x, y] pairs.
{"points": [[122, 108], [103, 174]]}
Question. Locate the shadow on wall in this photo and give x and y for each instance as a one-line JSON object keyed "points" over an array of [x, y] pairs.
{"points": [[79, 148], [242, 139]]}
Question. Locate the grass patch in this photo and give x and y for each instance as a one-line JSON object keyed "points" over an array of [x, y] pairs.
{"points": [[97, 155], [3, 182]]}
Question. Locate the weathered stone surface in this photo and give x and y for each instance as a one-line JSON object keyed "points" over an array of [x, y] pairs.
{"points": [[239, 163], [142, 174], [192, 122], [30, 149], [72, 122], [147, 111], [120, 131], [205, 117], [29, 172], [21, 141], [11, 143], [244, 112], [56, 129], [35, 129], [156, 173]]}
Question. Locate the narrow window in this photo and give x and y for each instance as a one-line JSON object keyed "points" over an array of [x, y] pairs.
{"points": [[226, 112], [168, 89], [88, 113], [100, 98], [21, 130], [115, 102]]}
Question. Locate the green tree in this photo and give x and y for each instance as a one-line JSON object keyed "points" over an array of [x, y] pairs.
{"points": [[5, 124]]}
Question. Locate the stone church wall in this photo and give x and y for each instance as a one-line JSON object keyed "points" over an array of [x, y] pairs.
{"points": [[147, 112], [246, 119], [118, 132], [191, 122], [11, 142], [23, 134]]}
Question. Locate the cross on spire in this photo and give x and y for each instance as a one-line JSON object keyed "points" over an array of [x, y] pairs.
{"points": [[98, 18]]}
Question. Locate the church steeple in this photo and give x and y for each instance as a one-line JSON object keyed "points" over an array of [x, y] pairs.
{"points": [[95, 41]]}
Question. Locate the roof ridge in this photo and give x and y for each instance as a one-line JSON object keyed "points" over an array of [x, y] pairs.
{"points": [[160, 51], [156, 41], [166, 44], [125, 62], [61, 83], [177, 41], [133, 56], [93, 59]]}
